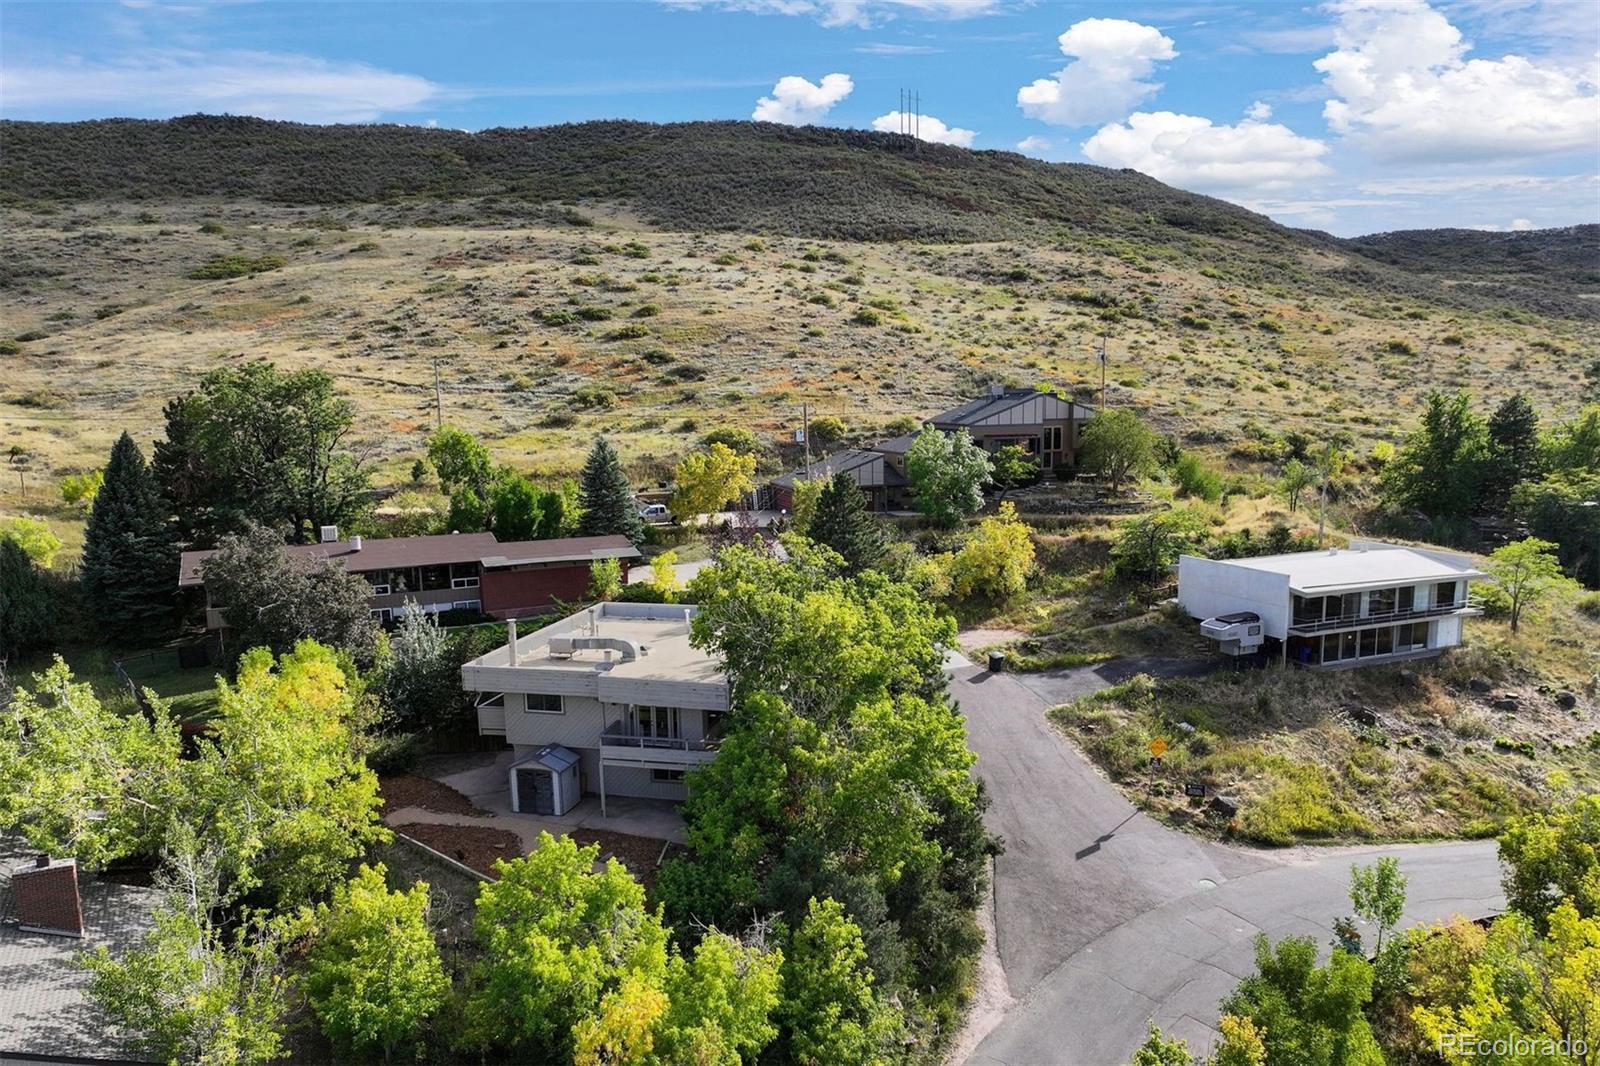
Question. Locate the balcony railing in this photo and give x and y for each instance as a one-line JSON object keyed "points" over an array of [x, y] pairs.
{"points": [[618, 735], [1381, 618]]}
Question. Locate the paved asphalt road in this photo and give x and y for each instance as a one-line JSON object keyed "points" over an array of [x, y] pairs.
{"points": [[1106, 919]]}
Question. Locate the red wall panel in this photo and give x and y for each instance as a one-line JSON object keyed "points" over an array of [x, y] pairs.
{"points": [[509, 593]]}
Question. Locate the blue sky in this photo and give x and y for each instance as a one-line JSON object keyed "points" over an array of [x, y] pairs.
{"points": [[1352, 116]]}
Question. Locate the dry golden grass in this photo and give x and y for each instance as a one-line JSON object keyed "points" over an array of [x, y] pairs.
{"points": [[377, 305]]}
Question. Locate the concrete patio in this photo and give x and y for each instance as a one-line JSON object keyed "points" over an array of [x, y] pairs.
{"points": [[483, 778]]}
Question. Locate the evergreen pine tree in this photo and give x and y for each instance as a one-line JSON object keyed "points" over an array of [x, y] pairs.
{"points": [[608, 506], [130, 570], [843, 523], [1514, 454]]}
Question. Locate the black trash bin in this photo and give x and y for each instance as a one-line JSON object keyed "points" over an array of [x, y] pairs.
{"points": [[997, 661]]}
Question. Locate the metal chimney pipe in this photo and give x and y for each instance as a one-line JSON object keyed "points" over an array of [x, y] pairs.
{"points": [[511, 640]]}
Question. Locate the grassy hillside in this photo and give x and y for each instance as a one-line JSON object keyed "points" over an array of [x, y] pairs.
{"points": [[810, 181], [583, 279]]}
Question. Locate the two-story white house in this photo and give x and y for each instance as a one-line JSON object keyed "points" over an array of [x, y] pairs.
{"points": [[612, 700], [1371, 602]]}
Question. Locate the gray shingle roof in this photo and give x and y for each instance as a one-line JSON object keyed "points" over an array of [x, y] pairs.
{"points": [[44, 1005]]}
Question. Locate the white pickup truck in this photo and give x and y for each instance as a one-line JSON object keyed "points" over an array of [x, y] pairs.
{"points": [[655, 513]]}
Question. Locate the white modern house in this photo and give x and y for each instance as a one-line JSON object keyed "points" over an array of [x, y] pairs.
{"points": [[1371, 602], [612, 700]]}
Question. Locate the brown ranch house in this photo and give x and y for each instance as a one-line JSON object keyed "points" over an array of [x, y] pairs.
{"points": [[452, 571], [1043, 425]]}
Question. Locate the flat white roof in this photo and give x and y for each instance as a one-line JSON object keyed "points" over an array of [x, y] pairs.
{"points": [[1377, 565], [661, 630]]}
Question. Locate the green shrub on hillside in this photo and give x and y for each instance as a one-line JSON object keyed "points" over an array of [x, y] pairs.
{"points": [[236, 266]]}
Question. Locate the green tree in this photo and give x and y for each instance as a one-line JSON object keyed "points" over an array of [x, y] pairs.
{"points": [[192, 992], [827, 431], [1575, 446], [605, 579], [78, 779], [28, 604], [1439, 470], [1150, 544], [82, 488], [1308, 1015], [1378, 893], [1297, 478], [461, 461], [182, 469], [1552, 856], [373, 974], [830, 1011], [257, 444], [1514, 452], [1117, 445], [33, 536], [1192, 477], [1563, 508], [1241, 1043], [1524, 988], [557, 937], [1526, 571], [1013, 467], [842, 522], [420, 679], [947, 472], [846, 773], [517, 507], [273, 599], [807, 494], [129, 565], [705, 481], [608, 506], [996, 559], [1157, 1050], [721, 1002], [283, 795]]}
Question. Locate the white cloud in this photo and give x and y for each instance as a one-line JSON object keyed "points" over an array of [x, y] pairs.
{"points": [[1448, 184], [1259, 111], [1518, 225], [797, 102], [928, 129], [1111, 58], [1192, 153], [1033, 145], [1289, 41], [859, 13], [1401, 82], [881, 48], [264, 84]]}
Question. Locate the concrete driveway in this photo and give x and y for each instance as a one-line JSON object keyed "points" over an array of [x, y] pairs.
{"points": [[1105, 919]]}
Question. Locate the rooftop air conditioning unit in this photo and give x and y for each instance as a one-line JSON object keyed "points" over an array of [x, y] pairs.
{"points": [[1235, 634], [330, 534]]}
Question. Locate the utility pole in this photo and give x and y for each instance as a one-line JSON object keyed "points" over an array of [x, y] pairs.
{"points": [[1102, 371], [438, 397], [805, 437]]}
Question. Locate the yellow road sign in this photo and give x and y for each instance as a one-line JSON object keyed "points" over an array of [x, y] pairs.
{"points": [[1158, 748]]}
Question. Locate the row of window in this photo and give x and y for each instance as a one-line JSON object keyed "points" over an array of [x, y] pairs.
{"points": [[389, 614], [1309, 610], [422, 578], [1360, 643]]}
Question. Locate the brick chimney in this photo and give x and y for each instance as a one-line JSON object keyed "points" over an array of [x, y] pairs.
{"points": [[46, 897]]}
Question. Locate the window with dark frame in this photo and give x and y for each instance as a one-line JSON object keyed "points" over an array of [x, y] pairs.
{"points": [[543, 703]]}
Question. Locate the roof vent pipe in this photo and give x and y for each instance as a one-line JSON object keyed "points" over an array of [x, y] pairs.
{"points": [[511, 640], [355, 543]]}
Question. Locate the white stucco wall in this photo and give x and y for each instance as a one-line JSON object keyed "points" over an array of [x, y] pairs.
{"points": [[1210, 587]]}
